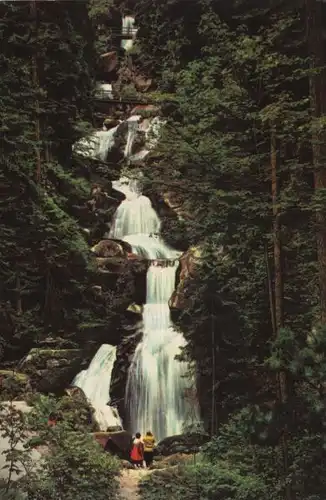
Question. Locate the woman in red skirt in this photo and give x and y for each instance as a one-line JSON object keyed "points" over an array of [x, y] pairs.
{"points": [[137, 451]]}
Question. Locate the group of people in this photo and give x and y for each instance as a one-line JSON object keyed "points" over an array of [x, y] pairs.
{"points": [[142, 450]]}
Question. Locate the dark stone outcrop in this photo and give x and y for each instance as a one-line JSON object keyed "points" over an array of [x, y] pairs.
{"points": [[117, 443], [189, 263], [183, 443], [109, 61], [125, 353], [50, 370], [111, 248]]}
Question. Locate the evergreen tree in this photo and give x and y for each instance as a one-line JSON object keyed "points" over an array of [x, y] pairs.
{"points": [[47, 67]]}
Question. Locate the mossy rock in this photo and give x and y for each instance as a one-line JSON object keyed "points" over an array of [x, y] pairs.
{"points": [[111, 122], [135, 309], [13, 385], [52, 370]]}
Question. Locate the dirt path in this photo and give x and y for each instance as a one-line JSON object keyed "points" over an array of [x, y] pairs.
{"points": [[129, 483]]}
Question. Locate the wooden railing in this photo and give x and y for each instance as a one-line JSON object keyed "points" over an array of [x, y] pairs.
{"points": [[107, 96], [124, 32]]}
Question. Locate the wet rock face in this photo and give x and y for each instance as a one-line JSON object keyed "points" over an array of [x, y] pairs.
{"points": [[177, 204], [125, 353], [189, 263], [50, 370]]}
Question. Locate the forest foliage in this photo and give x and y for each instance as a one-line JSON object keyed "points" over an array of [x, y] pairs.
{"points": [[72, 465], [243, 152], [48, 65]]}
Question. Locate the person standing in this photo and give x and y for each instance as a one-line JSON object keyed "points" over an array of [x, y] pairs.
{"points": [[137, 451], [149, 444]]}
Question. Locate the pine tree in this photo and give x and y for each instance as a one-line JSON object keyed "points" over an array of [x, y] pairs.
{"points": [[47, 67]]}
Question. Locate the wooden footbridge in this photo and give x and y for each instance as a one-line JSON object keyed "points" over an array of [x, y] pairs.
{"points": [[124, 33], [109, 97], [106, 103]]}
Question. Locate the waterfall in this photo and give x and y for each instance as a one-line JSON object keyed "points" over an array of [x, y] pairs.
{"points": [[132, 123], [128, 23], [157, 383], [157, 386], [95, 383], [155, 393], [97, 145]]}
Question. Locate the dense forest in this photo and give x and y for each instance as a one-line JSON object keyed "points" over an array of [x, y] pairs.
{"points": [[241, 164]]}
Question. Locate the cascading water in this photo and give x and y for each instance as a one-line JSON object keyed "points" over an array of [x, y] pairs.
{"points": [[95, 383], [128, 23], [98, 144], [155, 395], [157, 383]]}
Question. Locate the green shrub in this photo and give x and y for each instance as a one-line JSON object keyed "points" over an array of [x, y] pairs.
{"points": [[204, 481], [76, 467], [74, 410]]}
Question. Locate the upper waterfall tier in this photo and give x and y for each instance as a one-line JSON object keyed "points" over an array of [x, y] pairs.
{"points": [[135, 216]]}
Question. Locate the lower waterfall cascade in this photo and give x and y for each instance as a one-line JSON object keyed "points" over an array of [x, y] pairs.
{"points": [[158, 383], [155, 397]]}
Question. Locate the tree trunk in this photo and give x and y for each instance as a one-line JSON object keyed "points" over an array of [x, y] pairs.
{"points": [[213, 408], [282, 380], [19, 306], [36, 84], [318, 104]]}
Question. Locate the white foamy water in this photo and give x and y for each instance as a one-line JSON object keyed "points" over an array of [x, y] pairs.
{"points": [[95, 383], [157, 383], [156, 389], [135, 217], [128, 23], [97, 145], [155, 395], [133, 123]]}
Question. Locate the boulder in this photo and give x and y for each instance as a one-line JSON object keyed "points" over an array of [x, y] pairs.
{"points": [[50, 370], [189, 443], [111, 122], [117, 443], [111, 248], [112, 265]]}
